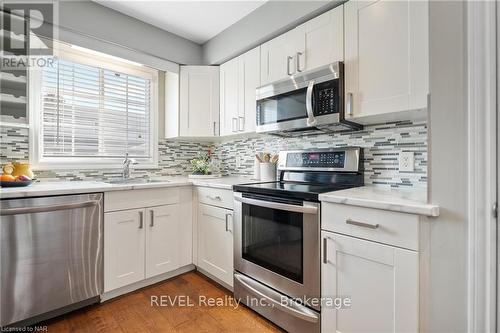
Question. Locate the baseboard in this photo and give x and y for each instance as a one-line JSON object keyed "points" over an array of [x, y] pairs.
{"points": [[144, 283], [211, 277]]}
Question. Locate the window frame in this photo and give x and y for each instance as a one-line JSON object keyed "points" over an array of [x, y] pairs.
{"points": [[108, 62]]}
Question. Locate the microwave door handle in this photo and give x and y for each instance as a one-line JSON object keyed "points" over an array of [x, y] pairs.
{"points": [[311, 121]]}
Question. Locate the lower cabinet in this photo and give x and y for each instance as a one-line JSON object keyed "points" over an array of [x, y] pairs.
{"points": [[380, 280], [124, 248], [141, 243], [215, 242]]}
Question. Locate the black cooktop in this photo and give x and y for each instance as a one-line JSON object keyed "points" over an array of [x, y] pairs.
{"points": [[293, 190]]}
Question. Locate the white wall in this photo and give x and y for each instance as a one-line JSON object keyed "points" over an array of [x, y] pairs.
{"points": [[263, 24], [89, 18], [447, 295]]}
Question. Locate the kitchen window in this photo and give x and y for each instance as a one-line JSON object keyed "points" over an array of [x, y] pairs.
{"points": [[90, 109]]}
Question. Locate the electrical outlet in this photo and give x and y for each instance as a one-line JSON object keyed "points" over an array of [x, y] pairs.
{"points": [[406, 161], [238, 161]]}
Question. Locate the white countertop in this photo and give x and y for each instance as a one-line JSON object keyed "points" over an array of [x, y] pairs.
{"points": [[413, 201], [73, 187]]}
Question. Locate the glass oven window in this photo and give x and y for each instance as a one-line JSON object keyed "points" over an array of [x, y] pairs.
{"points": [[288, 106], [273, 239]]}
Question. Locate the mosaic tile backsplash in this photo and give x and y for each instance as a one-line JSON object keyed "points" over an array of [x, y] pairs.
{"points": [[381, 143]]}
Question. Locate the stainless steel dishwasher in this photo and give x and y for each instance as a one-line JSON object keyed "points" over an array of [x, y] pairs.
{"points": [[51, 256]]}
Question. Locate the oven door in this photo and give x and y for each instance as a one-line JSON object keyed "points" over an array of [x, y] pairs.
{"points": [[277, 243]]}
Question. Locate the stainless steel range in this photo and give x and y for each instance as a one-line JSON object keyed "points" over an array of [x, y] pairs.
{"points": [[277, 235]]}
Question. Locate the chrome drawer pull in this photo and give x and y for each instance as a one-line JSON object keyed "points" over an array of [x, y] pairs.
{"points": [[362, 224], [218, 198]]}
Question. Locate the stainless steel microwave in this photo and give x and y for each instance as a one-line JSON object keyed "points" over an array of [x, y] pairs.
{"points": [[308, 100]]}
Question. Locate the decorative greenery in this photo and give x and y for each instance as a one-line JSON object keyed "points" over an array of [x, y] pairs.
{"points": [[202, 164]]}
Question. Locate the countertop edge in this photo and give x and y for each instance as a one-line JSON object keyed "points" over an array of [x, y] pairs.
{"points": [[422, 209]]}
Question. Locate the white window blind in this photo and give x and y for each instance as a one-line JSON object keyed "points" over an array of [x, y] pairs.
{"points": [[94, 112]]}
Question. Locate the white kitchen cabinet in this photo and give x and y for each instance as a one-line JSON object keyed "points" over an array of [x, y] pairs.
{"points": [[323, 40], [162, 239], [315, 43], [239, 78], [215, 242], [124, 248], [248, 82], [199, 101], [229, 87], [381, 281], [386, 58], [275, 59], [144, 242]]}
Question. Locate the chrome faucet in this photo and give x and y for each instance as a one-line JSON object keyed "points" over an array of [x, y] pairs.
{"points": [[126, 166]]}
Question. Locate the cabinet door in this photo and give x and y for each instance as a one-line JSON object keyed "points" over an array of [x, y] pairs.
{"points": [[124, 239], [215, 239], [229, 97], [276, 62], [162, 239], [380, 280], [323, 40], [248, 82], [199, 101], [386, 56]]}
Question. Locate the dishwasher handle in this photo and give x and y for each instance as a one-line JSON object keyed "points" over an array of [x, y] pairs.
{"points": [[48, 208]]}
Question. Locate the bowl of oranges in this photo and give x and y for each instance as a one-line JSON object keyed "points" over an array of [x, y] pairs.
{"points": [[11, 178]]}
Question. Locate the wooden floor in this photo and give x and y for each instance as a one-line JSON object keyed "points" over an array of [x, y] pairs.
{"points": [[134, 313]]}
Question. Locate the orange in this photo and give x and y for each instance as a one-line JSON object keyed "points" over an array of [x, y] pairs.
{"points": [[7, 178]]}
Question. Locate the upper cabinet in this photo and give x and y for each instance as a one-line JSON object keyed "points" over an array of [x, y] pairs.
{"points": [[239, 78], [386, 58], [198, 103], [317, 42]]}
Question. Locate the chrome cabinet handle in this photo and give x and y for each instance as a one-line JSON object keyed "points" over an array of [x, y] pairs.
{"points": [[152, 214], [349, 103], [325, 250], [311, 121], [218, 198], [235, 124], [141, 219], [362, 224], [288, 58], [297, 61], [241, 124], [227, 221], [215, 124]]}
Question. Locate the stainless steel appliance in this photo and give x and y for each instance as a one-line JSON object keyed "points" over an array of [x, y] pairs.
{"points": [[309, 100], [277, 233], [51, 256]]}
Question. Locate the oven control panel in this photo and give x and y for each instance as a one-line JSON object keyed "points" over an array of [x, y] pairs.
{"points": [[329, 159], [334, 159]]}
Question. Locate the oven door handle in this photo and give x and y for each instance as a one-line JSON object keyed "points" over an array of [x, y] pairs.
{"points": [[311, 120], [295, 310], [306, 209]]}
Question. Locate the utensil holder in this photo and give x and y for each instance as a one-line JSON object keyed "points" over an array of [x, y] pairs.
{"points": [[256, 169], [267, 172]]}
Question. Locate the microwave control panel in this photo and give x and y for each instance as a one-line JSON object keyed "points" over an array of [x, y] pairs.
{"points": [[331, 159], [326, 98]]}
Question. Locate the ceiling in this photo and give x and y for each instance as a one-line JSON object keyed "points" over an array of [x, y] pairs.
{"points": [[198, 21]]}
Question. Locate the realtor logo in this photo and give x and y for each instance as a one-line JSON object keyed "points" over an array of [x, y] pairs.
{"points": [[28, 33]]}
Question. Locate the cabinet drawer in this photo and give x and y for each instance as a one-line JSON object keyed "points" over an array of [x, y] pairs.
{"points": [[130, 199], [216, 197], [391, 228]]}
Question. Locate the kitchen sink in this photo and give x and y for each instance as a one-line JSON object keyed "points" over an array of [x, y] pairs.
{"points": [[136, 181]]}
